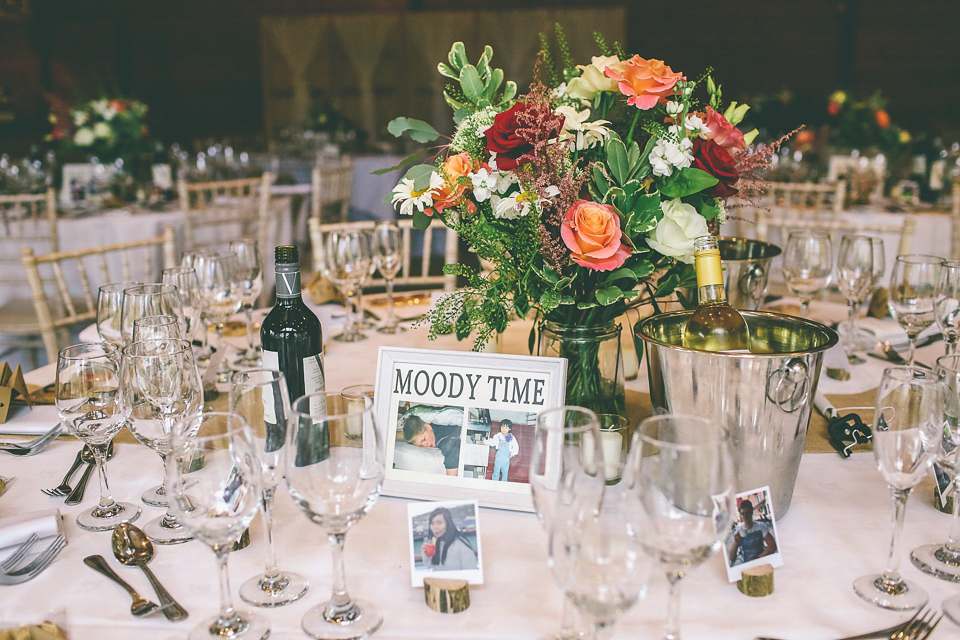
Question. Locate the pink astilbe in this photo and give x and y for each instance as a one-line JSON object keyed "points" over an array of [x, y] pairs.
{"points": [[752, 163]]}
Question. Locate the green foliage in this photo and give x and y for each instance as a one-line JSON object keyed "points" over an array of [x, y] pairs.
{"points": [[419, 130], [479, 84]]}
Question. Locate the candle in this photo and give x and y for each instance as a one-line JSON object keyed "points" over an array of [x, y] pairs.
{"points": [[611, 442]]}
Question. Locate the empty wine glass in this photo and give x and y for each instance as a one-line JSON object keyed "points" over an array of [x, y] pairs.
{"points": [[152, 299], [908, 418], [807, 264], [213, 478], [109, 307], [161, 392], [250, 275], [336, 481], [347, 260], [89, 404], [185, 280], [388, 258], [685, 476], [221, 293], [947, 304], [913, 288], [566, 461], [260, 396], [149, 327], [189, 261], [856, 275]]}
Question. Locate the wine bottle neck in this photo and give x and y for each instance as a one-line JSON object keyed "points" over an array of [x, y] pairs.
{"points": [[710, 289], [288, 281]]}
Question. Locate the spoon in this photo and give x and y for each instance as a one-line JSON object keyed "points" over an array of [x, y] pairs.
{"points": [[141, 606], [76, 496], [133, 548]]}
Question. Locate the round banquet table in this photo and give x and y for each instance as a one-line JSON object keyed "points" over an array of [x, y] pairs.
{"points": [[837, 528]]}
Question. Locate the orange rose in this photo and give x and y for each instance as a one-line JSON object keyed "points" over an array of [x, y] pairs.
{"points": [[592, 232], [451, 193], [646, 82], [883, 118]]}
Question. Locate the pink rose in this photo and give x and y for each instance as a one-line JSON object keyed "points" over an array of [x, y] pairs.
{"points": [[592, 232], [722, 132], [645, 82]]}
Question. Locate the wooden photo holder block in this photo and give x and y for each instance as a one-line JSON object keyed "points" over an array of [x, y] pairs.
{"points": [[756, 582], [446, 595]]}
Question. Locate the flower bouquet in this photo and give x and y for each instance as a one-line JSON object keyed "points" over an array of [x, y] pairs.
{"points": [[107, 129], [580, 198], [863, 124]]}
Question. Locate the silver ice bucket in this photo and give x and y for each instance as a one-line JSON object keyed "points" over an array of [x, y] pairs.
{"points": [[763, 398], [746, 268]]}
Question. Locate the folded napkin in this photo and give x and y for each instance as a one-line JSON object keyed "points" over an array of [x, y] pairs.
{"points": [[39, 420], [15, 529], [884, 331]]}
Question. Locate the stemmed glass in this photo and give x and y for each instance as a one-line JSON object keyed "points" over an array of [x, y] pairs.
{"points": [[807, 264], [221, 293], [189, 261], [388, 258], [89, 404], [142, 300], [943, 560], [161, 392], [913, 288], [250, 275], [109, 306], [566, 480], [856, 275], [149, 327], [213, 478], [684, 473], [908, 418], [336, 481], [347, 260], [260, 397], [947, 304], [185, 280]]}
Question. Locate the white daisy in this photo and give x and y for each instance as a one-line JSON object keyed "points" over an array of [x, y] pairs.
{"points": [[409, 197]]}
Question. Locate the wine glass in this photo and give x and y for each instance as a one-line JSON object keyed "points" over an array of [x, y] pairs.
{"points": [[913, 288], [807, 264], [908, 418], [189, 261], [943, 560], [149, 327], [336, 481], [260, 397], [152, 299], [388, 258], [947, 304], [185, 280], [221, 293], [566, 461], [347, 259], [109, 306], [684, 471], [161, 392], [250, 275], [213, 478], [89, 404], [856, 274]]}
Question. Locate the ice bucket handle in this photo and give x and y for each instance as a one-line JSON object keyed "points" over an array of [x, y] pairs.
{"points": [[753, 283], [789, 386]]}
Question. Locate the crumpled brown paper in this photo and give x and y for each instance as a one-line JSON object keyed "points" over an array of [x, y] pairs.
{"points": [[42, 631], [321, 290]]}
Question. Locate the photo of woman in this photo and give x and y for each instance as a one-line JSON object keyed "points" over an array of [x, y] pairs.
{"points": [[449, 549]]}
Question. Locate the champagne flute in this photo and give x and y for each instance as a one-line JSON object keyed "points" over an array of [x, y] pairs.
{"points": [[185, 280], [109, 307], [807, 264], [336, 481], [908, 418], [250, 275], [213, 476], [947, 304], [152, 299], [684, 473], [913, 288], [347, 259], [566, 461], [221, 294], [943, 560], [388, 258], [260, 397], [89, 404], [149, 327], [856, 274], [161, 391]]}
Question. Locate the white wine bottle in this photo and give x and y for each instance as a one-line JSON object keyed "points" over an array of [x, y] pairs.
{"points": [[715, 325]]}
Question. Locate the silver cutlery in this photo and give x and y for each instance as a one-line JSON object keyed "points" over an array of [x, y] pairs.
{"points": [[21, 551], [64, 488], [890, 354], [77, 494], [141, 606], [911, 629], [133, 548], [31, 446], [35, 567]]}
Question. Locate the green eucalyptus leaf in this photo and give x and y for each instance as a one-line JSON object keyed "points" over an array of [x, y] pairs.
{"points": [[609, 295], [421, 220], [419, 130], [420, 174], [410, 159]]}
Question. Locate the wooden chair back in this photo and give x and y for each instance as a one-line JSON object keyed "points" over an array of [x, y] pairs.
{"points": [[332, 186], [223, 210], [836, 228], [786, 203], [90, 267]]}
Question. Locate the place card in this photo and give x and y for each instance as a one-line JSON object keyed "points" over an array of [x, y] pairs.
{"points": [[752, 540], [444, 541], [12, 389]]}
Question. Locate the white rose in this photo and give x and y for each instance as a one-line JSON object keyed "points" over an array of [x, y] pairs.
{"points": [[102, 130], [675, 233], [592, 79], [83, 137]]}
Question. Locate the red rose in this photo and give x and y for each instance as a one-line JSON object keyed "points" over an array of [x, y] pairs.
{"points": [[503, 137], [715, 160]]}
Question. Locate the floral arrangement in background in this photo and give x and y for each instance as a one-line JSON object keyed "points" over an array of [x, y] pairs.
{"points": [[863, 124], [582, 196], [105, 128]]}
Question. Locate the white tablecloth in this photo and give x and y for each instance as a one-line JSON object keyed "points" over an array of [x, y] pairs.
{"points": [[838, 528]]}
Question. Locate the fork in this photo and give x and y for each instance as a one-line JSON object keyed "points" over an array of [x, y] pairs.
{"points": [[64, 488], [919, 627], [21, 551], [32, 446], [39, 563], [915, 624]]}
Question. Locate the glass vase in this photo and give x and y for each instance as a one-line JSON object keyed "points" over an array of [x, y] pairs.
{"points": [[594, 363]]}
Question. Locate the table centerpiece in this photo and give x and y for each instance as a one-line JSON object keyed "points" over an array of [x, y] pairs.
{"points": [[580, 198]]}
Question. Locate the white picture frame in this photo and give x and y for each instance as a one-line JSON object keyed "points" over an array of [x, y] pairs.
{"points": [[434, 385]]}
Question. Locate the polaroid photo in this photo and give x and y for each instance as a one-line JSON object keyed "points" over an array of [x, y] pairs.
{"points": [[445, 541], [944, 488], [752, 539]]}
